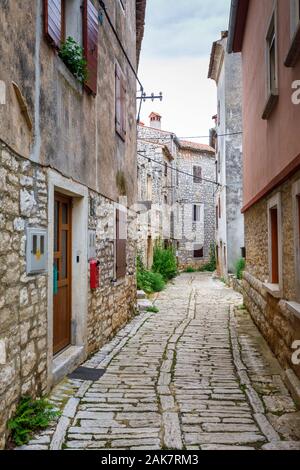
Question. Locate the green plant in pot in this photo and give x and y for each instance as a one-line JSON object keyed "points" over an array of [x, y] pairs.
{"points": [[72, 55]]}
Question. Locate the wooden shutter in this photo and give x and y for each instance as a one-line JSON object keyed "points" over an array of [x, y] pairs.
{"points": [[90, 44], [120, 103], [121, 244], [54, 21]]}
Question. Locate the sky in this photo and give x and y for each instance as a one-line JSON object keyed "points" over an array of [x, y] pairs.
{"points": [[175, 59]]}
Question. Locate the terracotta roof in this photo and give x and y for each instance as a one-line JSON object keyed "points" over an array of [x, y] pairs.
{"points": [[186, 144], [154, 114]]}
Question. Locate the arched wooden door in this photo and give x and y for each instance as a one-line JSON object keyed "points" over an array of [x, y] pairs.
{"points": [[62, 272]]}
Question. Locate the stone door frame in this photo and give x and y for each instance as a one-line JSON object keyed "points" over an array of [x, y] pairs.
{"points": [[67, 360]]}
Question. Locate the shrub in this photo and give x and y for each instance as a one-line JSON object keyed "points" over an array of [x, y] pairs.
{"points": [[31, 415], [148, 281], [72, 55], [190, 269], [164, 262], [240, 268], [211, 266]]}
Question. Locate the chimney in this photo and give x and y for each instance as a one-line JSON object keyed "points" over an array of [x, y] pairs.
{"points": [[155, 120]]}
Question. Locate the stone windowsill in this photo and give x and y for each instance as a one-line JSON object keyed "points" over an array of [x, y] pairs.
{"points": [[69, 77], [294, 51], [294, 308], [270, 104], [273, 289]]}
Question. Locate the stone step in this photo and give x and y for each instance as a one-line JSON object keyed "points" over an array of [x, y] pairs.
{"points": [[141, 295], [144, 304]]}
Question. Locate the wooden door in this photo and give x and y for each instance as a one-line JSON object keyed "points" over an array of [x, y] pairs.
{"points": [[62, 272]]}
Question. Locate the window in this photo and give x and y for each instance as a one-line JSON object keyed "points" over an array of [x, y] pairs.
{"points": [[149, 188], [219, 206], [63, 19], [272, 68], [217, 217], [166, 169], [294, 50], [275, 246], [197, 173], [121, 243], [196, 213], [198, 251], [73, 20], [120, 103]]}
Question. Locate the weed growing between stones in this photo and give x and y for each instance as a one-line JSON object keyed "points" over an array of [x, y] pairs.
{"points": [[31, 416], [211, 266], [153, 309], [240, 268]]}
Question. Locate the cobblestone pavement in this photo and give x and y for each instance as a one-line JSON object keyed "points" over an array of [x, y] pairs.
{"points": [[196, 375]]}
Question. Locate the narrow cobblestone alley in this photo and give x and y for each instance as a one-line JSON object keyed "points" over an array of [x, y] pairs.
{"points": [[196, 375]]}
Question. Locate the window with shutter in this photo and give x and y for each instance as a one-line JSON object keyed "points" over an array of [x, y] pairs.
{"points": [[197, 172], [120, 103], [54, 21], [121, 243], [196, 213], [90, 44]]}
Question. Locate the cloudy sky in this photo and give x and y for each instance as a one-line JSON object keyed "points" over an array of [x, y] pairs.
{"points": [[175, 58]]}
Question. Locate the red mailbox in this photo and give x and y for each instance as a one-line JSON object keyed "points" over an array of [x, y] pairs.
{"points": [[94, 273]]}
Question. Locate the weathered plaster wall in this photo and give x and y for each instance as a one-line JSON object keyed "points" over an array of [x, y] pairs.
{"points": [[234, 160], [230, 231], [73, 131]]}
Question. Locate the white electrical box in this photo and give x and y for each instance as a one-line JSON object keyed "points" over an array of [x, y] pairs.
{"points": [[92, 244], [36, 250]]}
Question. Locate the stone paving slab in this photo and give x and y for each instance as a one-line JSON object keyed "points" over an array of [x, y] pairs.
{"points": [[193, 376]]}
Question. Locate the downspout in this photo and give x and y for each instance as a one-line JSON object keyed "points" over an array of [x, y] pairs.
{"points": [[232, 24], [35, 152]]}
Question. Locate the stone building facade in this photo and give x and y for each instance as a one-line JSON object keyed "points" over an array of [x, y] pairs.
{"points": [[194, 204], [226, 70], [67, 183], [271, 177], [182, 200]]}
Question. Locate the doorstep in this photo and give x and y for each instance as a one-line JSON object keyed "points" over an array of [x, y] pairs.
{"points": [[66, 361], [294, 307]]}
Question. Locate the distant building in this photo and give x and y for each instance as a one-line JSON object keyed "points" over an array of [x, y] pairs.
{"points": [[178, 177], [225, 70], [194, 203], [267, 35]]}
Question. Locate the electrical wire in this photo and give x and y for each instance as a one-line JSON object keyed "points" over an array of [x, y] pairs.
{"points": [[179, 171], [190, 137]]}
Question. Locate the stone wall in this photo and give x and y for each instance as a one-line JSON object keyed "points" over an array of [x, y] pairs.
{"points": [[114, 303], [277, 323], [23, 299]]}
